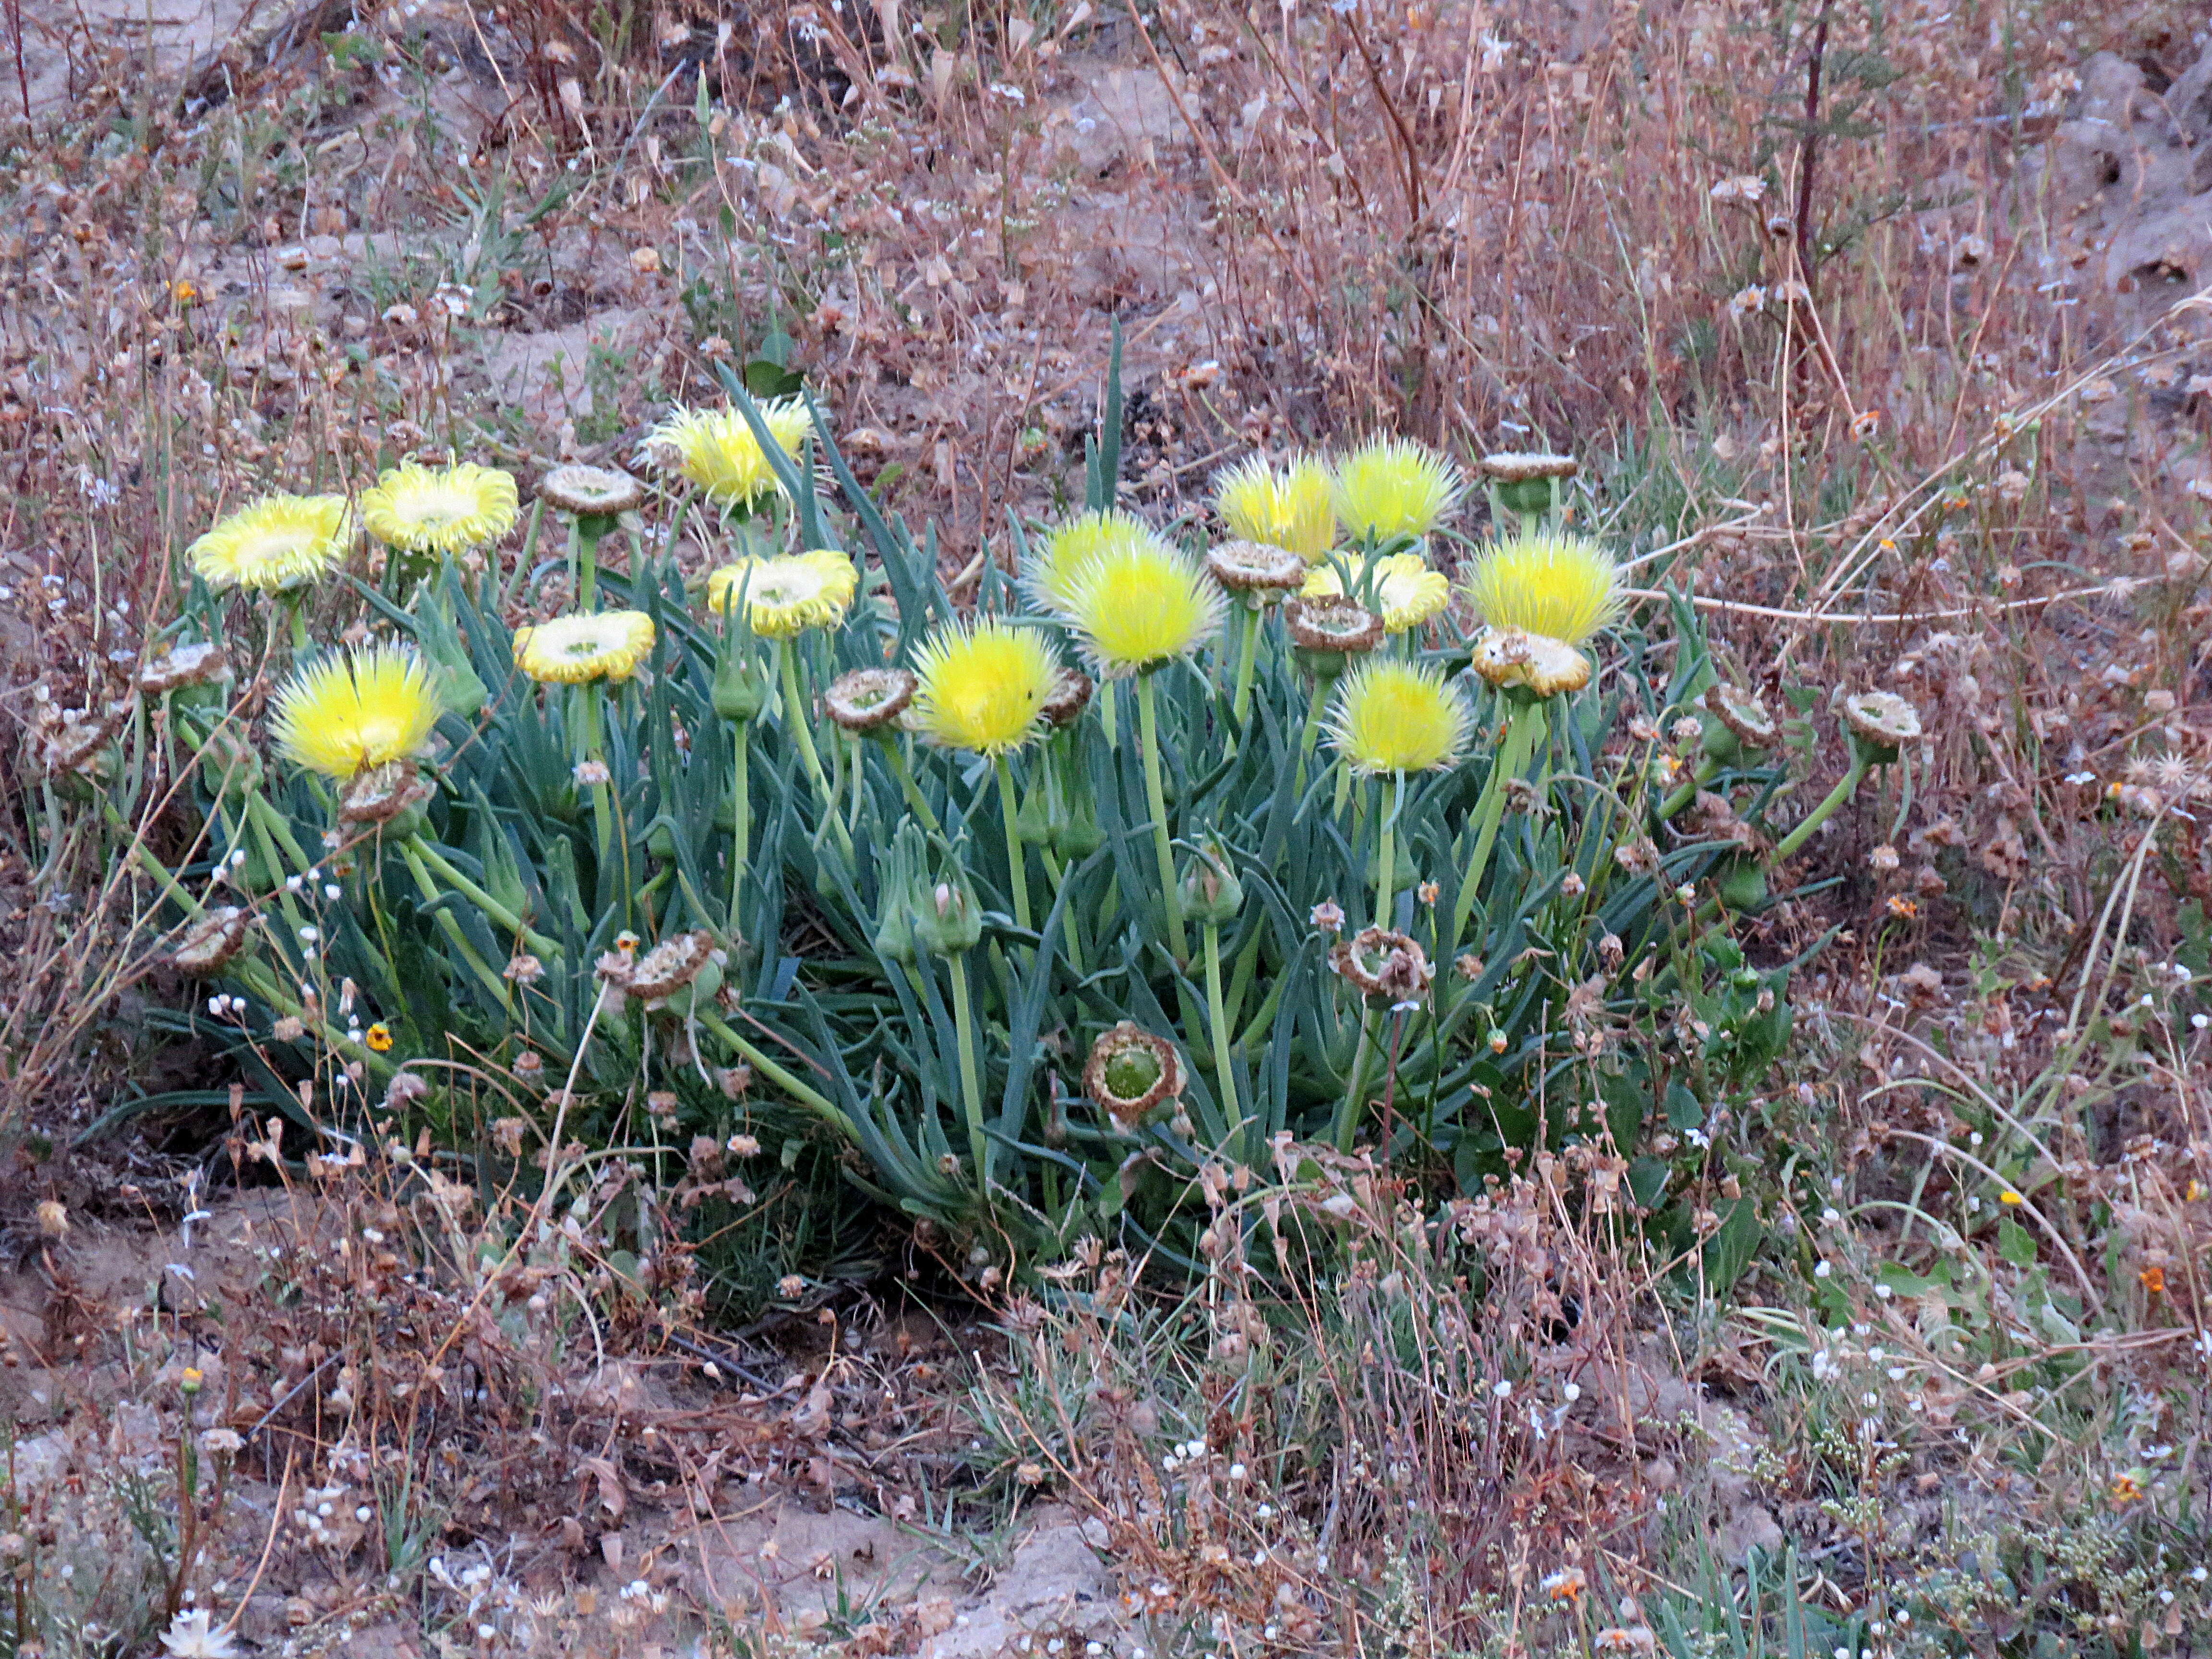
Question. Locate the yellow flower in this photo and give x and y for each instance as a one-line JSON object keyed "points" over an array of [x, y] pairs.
{"points": [[1394, 487], [1071, 545], [716, 449], [789, 593], [281, 541], [1391, 716], [379, 1038], [603, 645], [1288, 509], [341, 715], [982, 686], [419, 509], [1406, 592], [1139, 605], [1558, 588]]}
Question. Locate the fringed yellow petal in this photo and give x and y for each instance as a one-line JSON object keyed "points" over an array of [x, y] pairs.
{"points": [[344, 713], [1406, 592], [1394, 487], [1392, 716], [604, 645], [716, 450], [1287, 506], [982, 686], [1065, 550], [1556, 587], [280, 541], [419, 509], [786, 595], [1135, 606]]}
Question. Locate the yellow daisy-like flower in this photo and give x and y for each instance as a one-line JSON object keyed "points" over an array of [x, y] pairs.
{"points": [[1394, 487], [1406, 592], [1556, 587], [1138, 605], [1287, 508], [982, 686], [342, 714], [279, 542], [786, 595], [1391, 716], [420, 509], [1069, 547], [716, 449], [604, 645]]}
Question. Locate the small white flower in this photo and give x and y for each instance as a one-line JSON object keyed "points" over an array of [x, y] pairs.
{"points": [[1502, 1388], [1821, 1270], [333, 892], [308, 935], [189, 1638]]}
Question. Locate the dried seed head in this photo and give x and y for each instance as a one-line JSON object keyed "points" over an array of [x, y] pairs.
{"points": [[1256, 568], [382, 794], [197, 663], [1071, 696], [1129, 1072], [864, 699], [1385, 963], [209, 943], [1518, 466], [670, 965], [1743, 714], [1333, 627], [592, 492]]}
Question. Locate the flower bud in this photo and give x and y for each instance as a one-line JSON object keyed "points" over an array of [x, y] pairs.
{"points": [[951, 921], [740, 691], [1212, 895]]}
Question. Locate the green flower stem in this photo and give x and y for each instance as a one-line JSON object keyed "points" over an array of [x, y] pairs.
{"points": [[1845, 788], [1512, 755], [741, 816], [1017, 862], [1247, 657], [916, 800], [1218, 1019], [1109, 708], [584, 549], [813, 1099], [538, 945], [801, 719], [1708, 769], [1315, 704], [595, 749], [296, 605], [526, 557], [971, 1087], [451, 929], [271, 823], [1386, 837], [1155, 798]]}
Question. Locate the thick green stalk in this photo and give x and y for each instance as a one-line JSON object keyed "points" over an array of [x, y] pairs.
{"points": [[1110, 711], [1385, 853], [971, 1086], [585, 540], [798, 718], [741, 816], [1224, 1070], [1017, 863], [1155, 798], [1512, 755], [915, 799], [416, 847], [1708, 769], [595, 749], [820, 1103], [1845, 788], [1247, 657], [502, 991]]}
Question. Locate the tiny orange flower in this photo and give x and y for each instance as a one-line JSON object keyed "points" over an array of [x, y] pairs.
{"points": [[2126, 1491], [2153, 1281], [1902, 908], [2010, 1198], [379, 1037]]}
